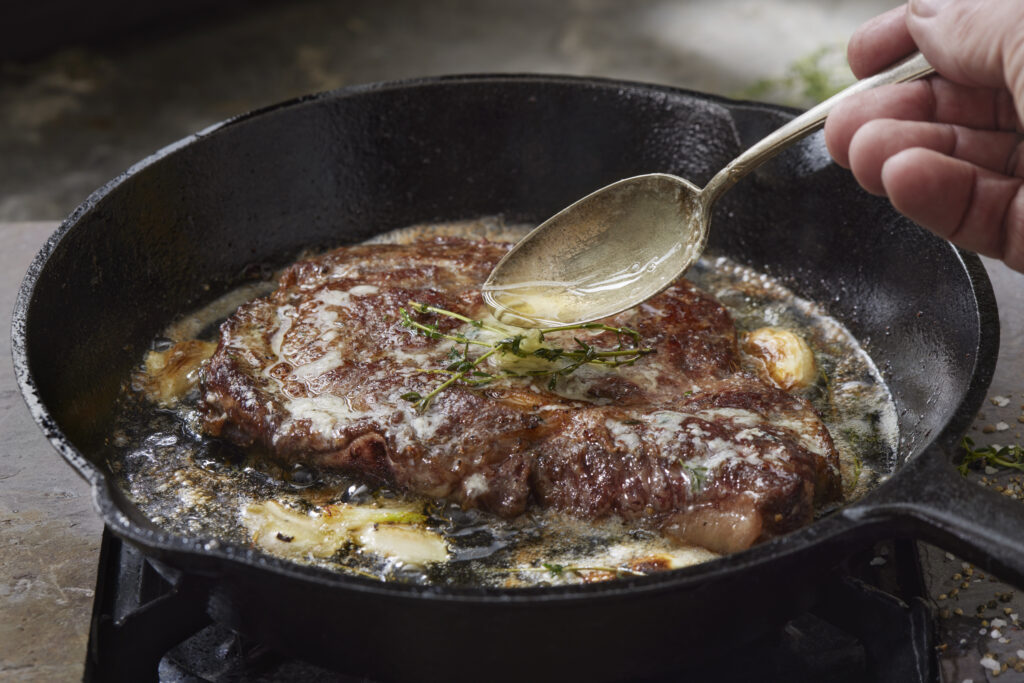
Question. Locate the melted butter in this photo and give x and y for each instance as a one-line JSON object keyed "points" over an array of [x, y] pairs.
{"points": [[324, 412], [604, 291], [553, 303], [533, 304], [309, 372]]}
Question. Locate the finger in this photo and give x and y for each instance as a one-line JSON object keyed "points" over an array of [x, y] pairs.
{"points": [[975, 208], [879, 42], [974, 42], [877, 140], [935, 99]]}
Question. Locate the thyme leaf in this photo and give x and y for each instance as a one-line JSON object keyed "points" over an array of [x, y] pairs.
{"points": [[698, 475], [555, 569], [1011, 457]]}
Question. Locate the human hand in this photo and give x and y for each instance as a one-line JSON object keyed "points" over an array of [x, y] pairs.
{"points": [[945, 150]]}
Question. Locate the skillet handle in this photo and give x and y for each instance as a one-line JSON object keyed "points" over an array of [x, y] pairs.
{"points": [[930, 501]]}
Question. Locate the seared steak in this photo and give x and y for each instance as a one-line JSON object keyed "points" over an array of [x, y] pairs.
{"points": [[682, 440]]}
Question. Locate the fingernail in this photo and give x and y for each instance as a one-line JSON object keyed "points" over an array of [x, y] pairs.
{"points": [[926, 9]]}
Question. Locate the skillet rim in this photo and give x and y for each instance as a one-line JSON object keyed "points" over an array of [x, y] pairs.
{"points": [[200, 555]]}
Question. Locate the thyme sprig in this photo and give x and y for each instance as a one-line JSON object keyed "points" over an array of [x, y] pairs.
{"points": [[1011, 457], [561, 361]]}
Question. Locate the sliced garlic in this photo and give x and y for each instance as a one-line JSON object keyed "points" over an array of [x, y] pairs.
{"points": [[412, 545], [392, 532], [170, 374]]}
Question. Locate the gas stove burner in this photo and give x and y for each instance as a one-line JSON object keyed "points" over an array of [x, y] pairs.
{"points": [[870, 622]]}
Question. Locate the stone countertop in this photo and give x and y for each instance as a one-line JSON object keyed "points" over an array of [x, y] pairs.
{"points": [[49, 531], [50, 534]]}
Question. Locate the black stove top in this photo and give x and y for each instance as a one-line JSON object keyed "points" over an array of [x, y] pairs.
{"points": [[870, 622]]}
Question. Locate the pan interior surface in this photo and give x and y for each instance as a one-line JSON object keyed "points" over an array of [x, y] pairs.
{"points": [[198, 487], [249, 196]]}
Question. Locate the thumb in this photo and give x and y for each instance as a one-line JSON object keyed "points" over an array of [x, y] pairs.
{"points": [[972, 42]]}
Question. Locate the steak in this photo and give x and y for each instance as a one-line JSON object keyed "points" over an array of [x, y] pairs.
{"points": [[319, 372]]}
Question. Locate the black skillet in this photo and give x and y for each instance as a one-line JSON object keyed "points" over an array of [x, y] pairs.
{"points": [[195, 218]]}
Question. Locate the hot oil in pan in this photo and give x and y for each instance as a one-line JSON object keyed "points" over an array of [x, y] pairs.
{"points": [[201, 487], [849, 394]]}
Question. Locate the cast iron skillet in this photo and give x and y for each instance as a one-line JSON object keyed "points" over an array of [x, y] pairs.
{"points": [[192, 220]]}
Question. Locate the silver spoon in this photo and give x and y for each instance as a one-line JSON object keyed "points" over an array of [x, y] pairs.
{"points": [[624, 243]]}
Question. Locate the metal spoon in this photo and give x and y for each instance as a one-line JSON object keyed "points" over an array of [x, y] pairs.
{"points": [[626, 242]]}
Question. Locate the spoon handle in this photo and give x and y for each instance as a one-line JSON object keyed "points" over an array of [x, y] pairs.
{"points": [[911, 68]]}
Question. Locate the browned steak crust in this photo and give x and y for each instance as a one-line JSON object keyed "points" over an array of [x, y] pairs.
{"points": [[681, 440]]}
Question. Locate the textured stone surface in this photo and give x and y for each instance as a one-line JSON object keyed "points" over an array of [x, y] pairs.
{"points": [[49, 533]]}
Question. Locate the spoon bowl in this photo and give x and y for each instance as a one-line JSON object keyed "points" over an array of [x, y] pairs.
{"points": [[611, 245], [628, 241]]}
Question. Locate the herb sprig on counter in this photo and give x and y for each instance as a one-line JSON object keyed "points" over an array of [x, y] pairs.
{"points": [[463, 367], [1011, 457]]}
